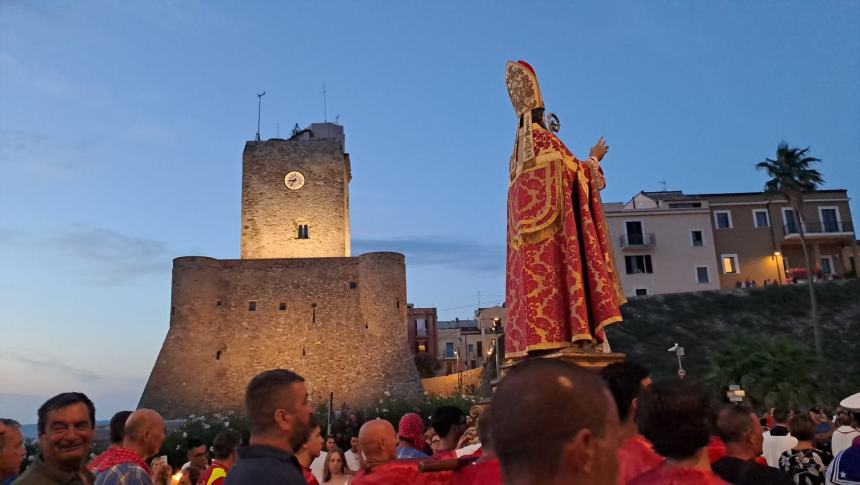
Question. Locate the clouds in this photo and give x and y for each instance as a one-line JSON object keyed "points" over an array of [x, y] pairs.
{"points": [[440, 252], [26, 153], [97, 255], [29, 377]]}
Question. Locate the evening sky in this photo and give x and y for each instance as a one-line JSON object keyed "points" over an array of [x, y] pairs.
{"points": [[122, 126]]}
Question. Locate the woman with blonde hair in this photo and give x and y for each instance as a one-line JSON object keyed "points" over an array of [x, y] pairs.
{"points": [[335, 471]]}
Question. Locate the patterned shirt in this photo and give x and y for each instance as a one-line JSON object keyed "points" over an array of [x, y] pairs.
{"points": [[407, 453], [807, 467], [124, 474]]}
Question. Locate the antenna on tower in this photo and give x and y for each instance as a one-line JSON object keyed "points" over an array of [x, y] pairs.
{"points": [[325, 106], [665, 183], [259, 108]]}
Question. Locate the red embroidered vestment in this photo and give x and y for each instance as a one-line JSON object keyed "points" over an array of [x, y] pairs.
{"points": [[561, 283]]}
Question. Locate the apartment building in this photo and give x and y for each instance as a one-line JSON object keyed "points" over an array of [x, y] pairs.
{"points": [[668, 241], [421, 329], [663, 243], [465, 344], [757, 235]]}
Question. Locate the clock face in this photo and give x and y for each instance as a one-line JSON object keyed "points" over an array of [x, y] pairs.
{"points": [[294, 180]]}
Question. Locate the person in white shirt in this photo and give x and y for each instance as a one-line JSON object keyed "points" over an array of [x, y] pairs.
{"points": [[777, 439], [844, 434], [351, 455]]}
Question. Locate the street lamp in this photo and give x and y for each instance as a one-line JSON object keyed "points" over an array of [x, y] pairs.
{"points": [[679, 352]]}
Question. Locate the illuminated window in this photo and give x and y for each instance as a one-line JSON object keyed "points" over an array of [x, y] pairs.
{"points": [[730, 264], [723, 219], [422, 348]]}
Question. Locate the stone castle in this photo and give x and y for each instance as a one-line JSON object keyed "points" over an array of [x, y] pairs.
{"points": [[296, 299]]}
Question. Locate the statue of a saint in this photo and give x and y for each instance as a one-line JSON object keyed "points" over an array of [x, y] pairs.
{"points": [[562, 287]]}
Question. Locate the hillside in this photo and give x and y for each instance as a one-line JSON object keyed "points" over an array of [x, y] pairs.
{"points": [[711, 325]]}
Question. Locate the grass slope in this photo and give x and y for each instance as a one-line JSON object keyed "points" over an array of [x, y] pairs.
{"points": [[705, 322]]}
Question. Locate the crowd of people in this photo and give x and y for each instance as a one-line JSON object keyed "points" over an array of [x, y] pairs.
{"points": [[550, 422]]}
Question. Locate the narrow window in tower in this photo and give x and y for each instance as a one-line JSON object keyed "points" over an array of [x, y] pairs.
{"points": [[252, 306], [282, 306], [314, 314], [303, 231], [218, 355], [218, 303], [172, 310], [353, 285]]}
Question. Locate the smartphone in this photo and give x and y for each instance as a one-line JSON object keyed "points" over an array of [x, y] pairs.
{"points": [[161, 459]]}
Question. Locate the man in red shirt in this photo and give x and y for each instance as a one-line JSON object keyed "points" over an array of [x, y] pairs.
{"points": [[224, 452], [378, 443], [485, 470], [674, 417], [626, 381], [310, 450]]}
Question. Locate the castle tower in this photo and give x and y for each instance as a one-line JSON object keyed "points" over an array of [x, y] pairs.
{"points": [[295, 196], [295, 299]]}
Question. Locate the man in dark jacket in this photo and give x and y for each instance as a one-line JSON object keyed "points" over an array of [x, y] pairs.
{"points": [[740, 430], [276, 403]]}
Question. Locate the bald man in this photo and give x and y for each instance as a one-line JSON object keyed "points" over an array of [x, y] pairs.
{"points": [[144, 434], [377, 441], [555, 423]]}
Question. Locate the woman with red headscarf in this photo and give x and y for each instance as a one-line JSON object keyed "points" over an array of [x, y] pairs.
{"points": [[410, 433]]}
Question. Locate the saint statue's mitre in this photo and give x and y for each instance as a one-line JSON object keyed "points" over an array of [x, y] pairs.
{"points": [[524, 91]]}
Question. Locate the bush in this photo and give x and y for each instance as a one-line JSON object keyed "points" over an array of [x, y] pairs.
{"points": [[345, 422]]}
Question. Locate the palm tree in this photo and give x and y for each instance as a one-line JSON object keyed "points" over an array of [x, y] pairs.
{"points": [[791, 177]]}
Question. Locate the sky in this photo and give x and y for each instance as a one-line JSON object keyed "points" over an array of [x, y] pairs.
{"points": [[122, 126]]}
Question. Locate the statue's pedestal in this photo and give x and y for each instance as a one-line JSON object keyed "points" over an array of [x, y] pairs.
{"points": [[573, 354], [589, 360]]}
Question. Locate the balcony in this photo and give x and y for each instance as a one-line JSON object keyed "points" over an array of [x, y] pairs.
{"points": [[818, 230], [637, 241]]}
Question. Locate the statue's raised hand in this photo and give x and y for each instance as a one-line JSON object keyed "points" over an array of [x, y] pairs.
{"points": [[599, 149]]}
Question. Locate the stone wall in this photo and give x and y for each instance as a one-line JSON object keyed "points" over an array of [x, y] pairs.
{"points": [[448, 385], [339, 322], [272, 213]]}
